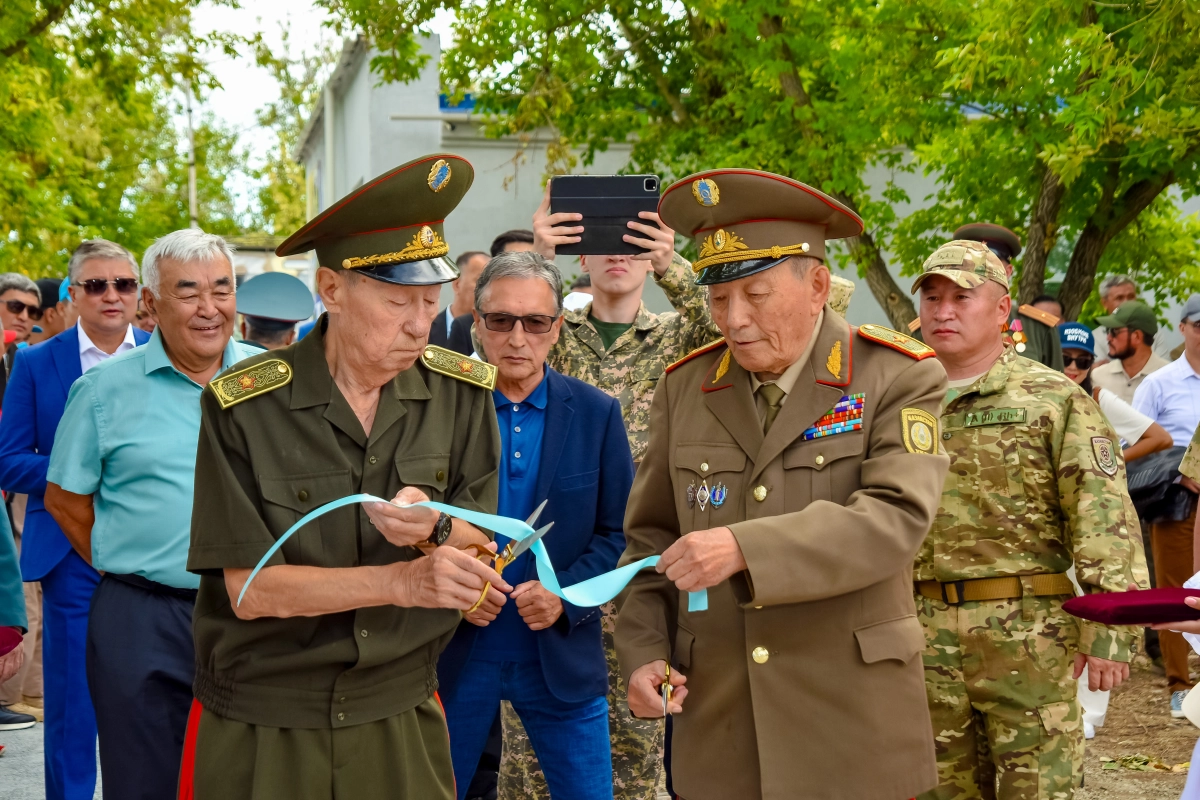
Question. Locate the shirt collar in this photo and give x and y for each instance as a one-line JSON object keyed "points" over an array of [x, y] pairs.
{"points": [[644, 321], [85, 342], [157, 358], [537, 398]]}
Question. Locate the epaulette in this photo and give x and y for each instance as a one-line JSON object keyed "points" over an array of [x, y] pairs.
{"points": [[897, 341], [1035, 313], [699, 351], [260, 378], [456, 365], [915, 325]]}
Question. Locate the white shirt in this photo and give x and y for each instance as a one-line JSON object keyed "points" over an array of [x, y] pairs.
{"points": [[1129, 423], [449, 320], [1171, 397], [90, 355]]}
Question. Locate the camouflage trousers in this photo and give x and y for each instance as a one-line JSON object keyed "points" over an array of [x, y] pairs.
{"points": [[1006, 723], [637, 744]]}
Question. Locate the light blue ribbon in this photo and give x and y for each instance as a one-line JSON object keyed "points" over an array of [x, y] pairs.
{"points": [[586, 594]]}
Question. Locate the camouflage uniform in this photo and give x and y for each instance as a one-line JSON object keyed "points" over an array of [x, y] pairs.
{"points": [[1036, 483], [628, 371], [1190, 466]]}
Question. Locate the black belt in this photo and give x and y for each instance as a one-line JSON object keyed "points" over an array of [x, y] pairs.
{"points": [[154, 586]]}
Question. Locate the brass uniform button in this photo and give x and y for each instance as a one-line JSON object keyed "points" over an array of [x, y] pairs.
{"points": [[373, 459], [760, 493], [302, 495], [704, 467], [341, 716], [363, 633], [760, 655], [441, 475], [820, 459]]}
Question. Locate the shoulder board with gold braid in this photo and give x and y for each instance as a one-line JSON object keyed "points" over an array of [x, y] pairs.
{"points": [[456, 365], [1035, 313], [699, 351], [242, 384], [897, 341]]}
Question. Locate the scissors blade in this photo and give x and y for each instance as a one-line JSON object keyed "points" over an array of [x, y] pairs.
{"points": [[527, 542], [537, 512]]}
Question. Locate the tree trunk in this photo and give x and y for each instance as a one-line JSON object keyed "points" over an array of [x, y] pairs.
{"points": [[1043, 230], [1081, 273]]}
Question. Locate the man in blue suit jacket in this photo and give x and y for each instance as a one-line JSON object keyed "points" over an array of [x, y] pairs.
{"points": [[564, 442], [104, 289]]}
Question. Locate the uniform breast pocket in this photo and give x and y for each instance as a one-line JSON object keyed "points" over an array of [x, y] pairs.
{"points": [[429, 472], [287, 498], [709, 483], [823, 469], [996, 459]]}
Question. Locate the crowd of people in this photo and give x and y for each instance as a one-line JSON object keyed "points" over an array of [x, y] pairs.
{"points": [[861, 540]]}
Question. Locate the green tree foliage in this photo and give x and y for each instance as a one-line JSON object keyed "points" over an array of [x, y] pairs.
{"points": [[87, 139]]}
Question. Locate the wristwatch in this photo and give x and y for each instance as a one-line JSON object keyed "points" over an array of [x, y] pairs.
{"points": [[441, 529]]}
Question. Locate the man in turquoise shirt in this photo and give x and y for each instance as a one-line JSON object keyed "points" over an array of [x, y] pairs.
{"points": [[120, 485]]}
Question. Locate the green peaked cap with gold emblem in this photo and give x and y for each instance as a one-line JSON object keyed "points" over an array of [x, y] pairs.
{"points": [[390, 228]]}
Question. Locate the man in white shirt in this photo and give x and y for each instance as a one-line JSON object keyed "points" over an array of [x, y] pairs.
{"points": [[1171, 397], [1130, 331]]}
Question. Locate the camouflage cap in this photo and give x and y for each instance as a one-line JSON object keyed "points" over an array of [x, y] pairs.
{"points": [[968, 264]]}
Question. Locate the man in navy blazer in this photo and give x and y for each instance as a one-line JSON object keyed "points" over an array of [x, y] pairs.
{"points": [[103, 278], [564, 442]]}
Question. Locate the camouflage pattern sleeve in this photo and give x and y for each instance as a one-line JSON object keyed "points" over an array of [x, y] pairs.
{"points": [[694, 325], [1105, 539], [1190, 467]]}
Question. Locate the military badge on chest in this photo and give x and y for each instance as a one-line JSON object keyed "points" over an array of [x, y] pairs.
{"points": [[703, 495]]}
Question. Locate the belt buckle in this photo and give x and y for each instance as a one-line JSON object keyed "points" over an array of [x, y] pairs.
{"points": [[959, 592]]}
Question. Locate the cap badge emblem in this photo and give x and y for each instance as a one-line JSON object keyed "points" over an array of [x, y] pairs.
{"points": [[706, 192], [426, 236], [439, 175], [721, 241]]}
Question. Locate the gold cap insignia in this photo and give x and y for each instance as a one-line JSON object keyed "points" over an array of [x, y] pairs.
{"points": [[455, 365], [425, 244], [252, 381], [439, 175], [706, 192], [920, 431]]}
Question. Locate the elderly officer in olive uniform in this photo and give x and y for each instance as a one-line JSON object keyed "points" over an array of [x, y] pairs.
{"points": [[271, 304], [1036, 483], [320, 684], [793, 470]]}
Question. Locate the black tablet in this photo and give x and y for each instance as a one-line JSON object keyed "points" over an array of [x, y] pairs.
{"points": [[607, 203]]}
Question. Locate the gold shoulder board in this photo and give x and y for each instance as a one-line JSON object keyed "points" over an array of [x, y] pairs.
{"points": [[897, 341], [1044, 317], [456, 365], [699, 351], [263, 377]]}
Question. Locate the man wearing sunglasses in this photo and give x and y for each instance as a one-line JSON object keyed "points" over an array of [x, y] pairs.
{"points": [[103, 282], [1130, 332]]}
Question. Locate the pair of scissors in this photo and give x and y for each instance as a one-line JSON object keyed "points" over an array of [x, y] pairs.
{"points": [[514, 549], [667, 692]]}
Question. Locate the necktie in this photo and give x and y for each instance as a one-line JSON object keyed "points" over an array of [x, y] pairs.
{"points": [[774, 397]]}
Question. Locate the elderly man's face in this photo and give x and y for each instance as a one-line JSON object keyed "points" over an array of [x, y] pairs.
{"points": [[196, 306], [769, 317], [961, 324], [1121, 293], [15, 311], [616, 275], [518, 354], [110, 311], [383, 327]]}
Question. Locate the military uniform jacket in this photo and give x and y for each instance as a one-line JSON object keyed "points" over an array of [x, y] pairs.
{"points": [[804, 674], [277, 455], [1036, 483]]}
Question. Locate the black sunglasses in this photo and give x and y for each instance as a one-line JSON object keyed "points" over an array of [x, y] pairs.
{"points": [[532, 323], [1083, 362], [16, 307], [98, 286]]}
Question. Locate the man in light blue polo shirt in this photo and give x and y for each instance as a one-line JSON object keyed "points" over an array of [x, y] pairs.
{"points": [[120, 485]]}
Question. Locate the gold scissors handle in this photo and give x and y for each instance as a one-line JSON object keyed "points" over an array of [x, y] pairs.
{"points": [[667, 692], [500, 559]]}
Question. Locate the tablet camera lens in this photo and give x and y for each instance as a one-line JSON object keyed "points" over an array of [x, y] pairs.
{"points": [[651, 184]]}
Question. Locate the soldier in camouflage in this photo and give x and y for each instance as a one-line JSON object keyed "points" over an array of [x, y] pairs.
{"points": [[619, 347], [1036, 483]]}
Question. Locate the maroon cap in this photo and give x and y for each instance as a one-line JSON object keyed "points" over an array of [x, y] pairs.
{"points": [[1135, 608]]}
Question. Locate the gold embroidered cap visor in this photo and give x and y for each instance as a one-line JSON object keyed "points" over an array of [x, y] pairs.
{"points": [[746, 221], [391, 227], [968, 264]]}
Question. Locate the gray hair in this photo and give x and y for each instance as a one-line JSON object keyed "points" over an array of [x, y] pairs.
{"points": [[1113, 281], [520, 265], [98, 249], [189, 244], [22, 283]]}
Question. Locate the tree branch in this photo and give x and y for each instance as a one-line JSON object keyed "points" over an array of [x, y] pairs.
{"points": [[1043, 230], [53, 15], [655, 66]]}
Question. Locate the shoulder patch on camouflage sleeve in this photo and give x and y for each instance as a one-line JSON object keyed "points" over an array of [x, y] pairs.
{"points": [[699, 351], [897, 341], [1106, 459], [460, 367], [920, 431], [1044, 317], [263, 377]]}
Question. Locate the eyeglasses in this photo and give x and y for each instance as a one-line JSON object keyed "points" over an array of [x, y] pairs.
{"points": [[98, 286], [532, 323], [1083, 361], [1113, 333], [16, 307]]}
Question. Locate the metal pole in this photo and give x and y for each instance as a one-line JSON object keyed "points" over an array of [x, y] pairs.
{"points": [[191, 163]]}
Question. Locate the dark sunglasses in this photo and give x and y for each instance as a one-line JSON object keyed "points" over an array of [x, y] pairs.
{"points": [[1083, 362], [98, 286], [16, 307], [532, 323]]}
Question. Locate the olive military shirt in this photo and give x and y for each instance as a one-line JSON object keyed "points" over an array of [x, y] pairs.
{"points": [[268, 460]]}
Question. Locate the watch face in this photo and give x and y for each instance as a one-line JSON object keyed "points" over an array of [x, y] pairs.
{"points": [[442, 529]]}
